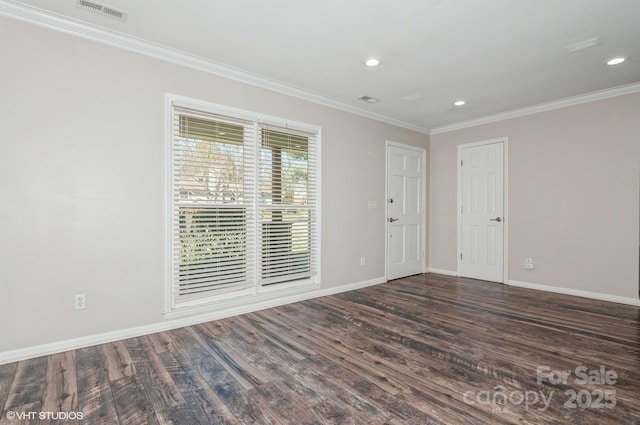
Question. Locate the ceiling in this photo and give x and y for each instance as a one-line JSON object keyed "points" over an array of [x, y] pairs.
{"points": [[498, 55]]}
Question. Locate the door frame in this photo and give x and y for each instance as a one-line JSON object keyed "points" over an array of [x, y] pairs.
{"points": [[423, 232], [505, 180]]}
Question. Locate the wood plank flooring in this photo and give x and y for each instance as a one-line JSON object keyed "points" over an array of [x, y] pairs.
{"points": [[426, 349]]}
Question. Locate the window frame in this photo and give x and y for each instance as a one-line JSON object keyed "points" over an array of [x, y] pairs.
{"points": [[256, 292]]}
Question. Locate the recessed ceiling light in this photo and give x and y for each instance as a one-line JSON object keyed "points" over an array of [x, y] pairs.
{"points": [[459, 102], [372, 62], [616, 61]]}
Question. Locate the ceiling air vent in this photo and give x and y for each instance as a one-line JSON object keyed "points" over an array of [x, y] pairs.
{"points": [[103, 9], [584, 44], [369, 99]]}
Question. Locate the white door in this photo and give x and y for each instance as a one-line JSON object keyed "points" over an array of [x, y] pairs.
{"points": [[405, 210], [481, 200]]}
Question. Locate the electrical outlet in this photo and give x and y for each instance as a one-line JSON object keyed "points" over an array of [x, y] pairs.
{"points": [[363, 261], [528, 263], [81, 302]]}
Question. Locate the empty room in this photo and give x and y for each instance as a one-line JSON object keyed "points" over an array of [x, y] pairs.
{"points": [[319, 212]]}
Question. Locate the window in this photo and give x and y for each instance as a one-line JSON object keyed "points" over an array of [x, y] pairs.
{"points": [[286, 206], [244, 204]]}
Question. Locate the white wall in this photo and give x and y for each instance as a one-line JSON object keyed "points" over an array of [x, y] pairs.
{"points": [[82, 182], [573, 195]]}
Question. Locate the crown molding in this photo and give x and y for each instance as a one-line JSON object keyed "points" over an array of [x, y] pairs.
{"points": [[137, 45], [543, 107]]}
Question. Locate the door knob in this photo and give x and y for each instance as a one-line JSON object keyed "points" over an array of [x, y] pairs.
{"points": [[391, 220], [498, 219]]}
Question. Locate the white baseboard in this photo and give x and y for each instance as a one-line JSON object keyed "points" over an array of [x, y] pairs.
{"points": [[87, 341], [444, 272], [576, 292]]}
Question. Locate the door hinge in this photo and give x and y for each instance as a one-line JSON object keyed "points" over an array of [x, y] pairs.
{"points": [[461, 256], [461, 163]]}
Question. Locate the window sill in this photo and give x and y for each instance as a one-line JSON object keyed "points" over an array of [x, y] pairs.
{"points": [[266, 297]]}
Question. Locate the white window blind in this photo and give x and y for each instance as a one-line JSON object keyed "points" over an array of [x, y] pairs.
{"points": [[244, 205], [213, 205], [288, 205]]}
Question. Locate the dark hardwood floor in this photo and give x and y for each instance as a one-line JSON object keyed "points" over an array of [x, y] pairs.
{"points": [[426, 349]]}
